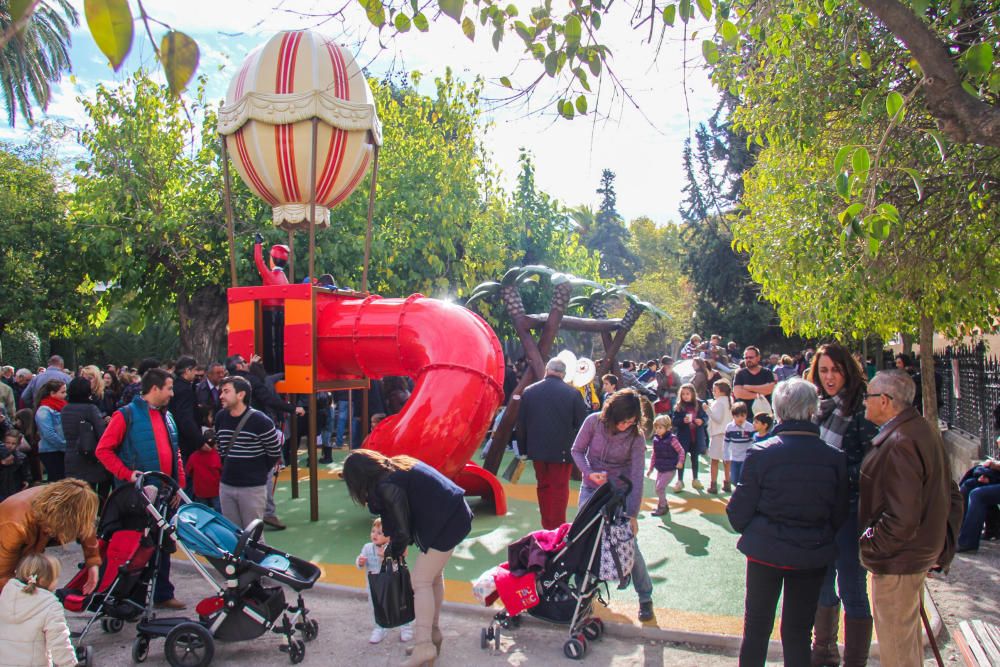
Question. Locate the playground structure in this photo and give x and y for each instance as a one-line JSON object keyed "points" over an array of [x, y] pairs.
{"points": [[299, 111]]}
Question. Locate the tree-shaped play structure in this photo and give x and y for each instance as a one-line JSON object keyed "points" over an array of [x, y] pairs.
{"points": [[537, 351]]}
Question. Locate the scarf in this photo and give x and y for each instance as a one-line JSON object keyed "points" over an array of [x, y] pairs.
{"points": [[53, 402], [833, 421]]}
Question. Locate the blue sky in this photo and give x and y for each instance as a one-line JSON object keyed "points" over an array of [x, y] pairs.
{"points": [[643, 146]]}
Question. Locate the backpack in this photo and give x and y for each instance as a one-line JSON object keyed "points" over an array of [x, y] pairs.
{"points": [[617, 551], [86, 440]]}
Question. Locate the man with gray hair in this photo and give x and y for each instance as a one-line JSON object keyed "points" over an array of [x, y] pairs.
{"points": [[21, 380], [907, 504], [548, 418]]}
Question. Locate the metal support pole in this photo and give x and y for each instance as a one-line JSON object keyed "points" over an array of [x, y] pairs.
{"points": [[228, 202], [293, 435], [368, 229], [313, 462], [312, 207]]}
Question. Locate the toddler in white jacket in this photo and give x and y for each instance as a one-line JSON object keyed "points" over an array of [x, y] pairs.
{"points": [[33, 630]]}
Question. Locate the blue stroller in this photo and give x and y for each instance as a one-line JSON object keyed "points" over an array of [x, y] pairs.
{"points": [[242, 608]]}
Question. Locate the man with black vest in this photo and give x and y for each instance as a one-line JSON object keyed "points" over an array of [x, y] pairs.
{"points": [[142, 437], [250, 449]]}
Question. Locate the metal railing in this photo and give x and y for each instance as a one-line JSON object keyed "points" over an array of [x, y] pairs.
{"points": [[971, 408]]}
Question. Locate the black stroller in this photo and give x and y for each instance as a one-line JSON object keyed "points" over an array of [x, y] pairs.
{"points": [[241, 609], [569, 580]]}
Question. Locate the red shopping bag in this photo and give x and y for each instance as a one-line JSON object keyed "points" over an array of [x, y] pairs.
{"points": [[518, 594]]}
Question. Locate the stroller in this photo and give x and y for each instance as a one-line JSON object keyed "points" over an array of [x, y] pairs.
{"points": [[569, 580], [241, 609]]}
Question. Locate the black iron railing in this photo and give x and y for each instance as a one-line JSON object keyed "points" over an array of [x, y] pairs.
{"points": [[973, 408]]}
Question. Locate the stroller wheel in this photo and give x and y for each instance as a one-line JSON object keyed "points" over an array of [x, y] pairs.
{"points": [[189, 645], [85, 656], [112, 625], [310, 630], [496, 638], [593, 628], [485, 637], [575, 648], [296, 651], [140, 649]]}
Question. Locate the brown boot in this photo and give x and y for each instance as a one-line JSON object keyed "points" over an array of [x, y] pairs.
{"points": [[824, 648], [857, 641]]}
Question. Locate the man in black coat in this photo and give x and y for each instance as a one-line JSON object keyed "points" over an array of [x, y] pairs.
{"points": [[550, 415], [184, 407], [207, 391]]}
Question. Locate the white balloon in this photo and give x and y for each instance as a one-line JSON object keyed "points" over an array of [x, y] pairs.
{"points": [[568, 358]]}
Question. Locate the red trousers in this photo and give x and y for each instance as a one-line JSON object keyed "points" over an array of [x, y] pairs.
{"points": [[553, 492]]}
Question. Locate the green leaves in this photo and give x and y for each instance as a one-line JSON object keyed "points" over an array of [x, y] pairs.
{"points": [[978, 59], [420, 22], [374, 11], [938, 141], [705, 7], [573, 31], [669, 14], [729, 32], [841, 159], [581, 104], [710, 50], [17, 9], [402, 22], [469, 29], [110, 24], [179, 55], [505, 82], [861, 161], [893, 104], [917, 181], [565, 108], [452, 8]]}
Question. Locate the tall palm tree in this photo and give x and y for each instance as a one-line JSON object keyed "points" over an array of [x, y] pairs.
{"points": [[36, 57]]}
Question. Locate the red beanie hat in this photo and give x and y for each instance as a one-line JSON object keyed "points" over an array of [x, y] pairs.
{"points": [[279, 252]]}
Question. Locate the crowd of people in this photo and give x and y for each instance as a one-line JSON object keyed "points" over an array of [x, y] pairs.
{"points": [[818, 453]]}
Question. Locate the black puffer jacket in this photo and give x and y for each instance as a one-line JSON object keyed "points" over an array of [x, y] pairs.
{"points": [[791, 499], [87, 468]]}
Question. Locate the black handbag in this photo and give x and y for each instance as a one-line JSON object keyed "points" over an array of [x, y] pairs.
{"points": [[392, 593]]}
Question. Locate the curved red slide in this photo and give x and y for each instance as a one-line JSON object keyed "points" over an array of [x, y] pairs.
{"points": [[456, 361]]}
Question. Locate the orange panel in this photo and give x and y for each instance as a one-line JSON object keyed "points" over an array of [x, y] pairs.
{"points": [[298, 311], [298, 380], [241, 316]]}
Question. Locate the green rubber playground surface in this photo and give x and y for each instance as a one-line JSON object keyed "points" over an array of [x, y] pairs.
{"points": [[698, 575]]}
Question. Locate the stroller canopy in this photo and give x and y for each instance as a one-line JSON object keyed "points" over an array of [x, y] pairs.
{"points": [[205, 531]]}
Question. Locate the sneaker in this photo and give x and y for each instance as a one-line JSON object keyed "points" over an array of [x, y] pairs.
{"points": [[378, 634], [274, 522], [678, 486], [406, 634], [727, 487], [697, 485], [712, 488], [645, 611]]}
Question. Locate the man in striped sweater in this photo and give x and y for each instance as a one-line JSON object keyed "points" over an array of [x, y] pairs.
{"points": [[247, 458]]}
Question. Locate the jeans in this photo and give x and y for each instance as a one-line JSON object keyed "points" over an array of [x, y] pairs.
{"points": [[269, 507], [801, 592], [979, 499], [341, 422], [846, 572], [641, 582], [735, 471], [163, 590], [327, 433], [692, 456]]}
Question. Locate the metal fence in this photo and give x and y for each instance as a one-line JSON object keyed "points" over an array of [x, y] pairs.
{"points": [[969, 394]]}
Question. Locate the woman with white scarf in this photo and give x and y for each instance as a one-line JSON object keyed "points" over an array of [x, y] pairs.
{"points": [[840, 382]]}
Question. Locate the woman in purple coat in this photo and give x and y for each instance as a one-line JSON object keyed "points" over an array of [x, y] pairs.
{"points": [[609, 445]]}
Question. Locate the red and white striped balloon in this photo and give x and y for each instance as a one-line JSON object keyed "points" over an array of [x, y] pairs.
{"points": [[267, 122]]}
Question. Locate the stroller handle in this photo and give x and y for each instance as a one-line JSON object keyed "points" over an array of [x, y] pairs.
{"points": [[159, 476]]}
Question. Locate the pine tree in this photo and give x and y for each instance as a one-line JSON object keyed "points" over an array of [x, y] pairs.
{"points": [[610, 237]]}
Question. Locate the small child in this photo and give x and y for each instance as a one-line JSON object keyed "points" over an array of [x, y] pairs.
{"points": [[739, 437], [719, 416], [667, 459], [204, 469], [15, 475], [762, 423], [35, 625], [370, 559]]}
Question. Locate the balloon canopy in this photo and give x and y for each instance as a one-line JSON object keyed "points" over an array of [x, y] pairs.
{"points": [[267, 122]]}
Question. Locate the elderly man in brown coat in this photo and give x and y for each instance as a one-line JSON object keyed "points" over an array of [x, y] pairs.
{"points": [[906, 512]]}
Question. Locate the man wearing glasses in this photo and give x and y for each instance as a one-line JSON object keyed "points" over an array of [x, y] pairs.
{"points": [[908, 500]]}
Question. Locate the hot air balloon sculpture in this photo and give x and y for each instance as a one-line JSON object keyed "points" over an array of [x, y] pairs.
{"points": [[299, 124]]}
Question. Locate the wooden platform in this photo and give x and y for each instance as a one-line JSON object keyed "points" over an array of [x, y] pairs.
{"points": [[979, 643]]}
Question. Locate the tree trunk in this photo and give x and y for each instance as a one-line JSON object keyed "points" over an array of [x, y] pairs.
{"points": [[928, 382], [505, 429], [202, 321]]}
